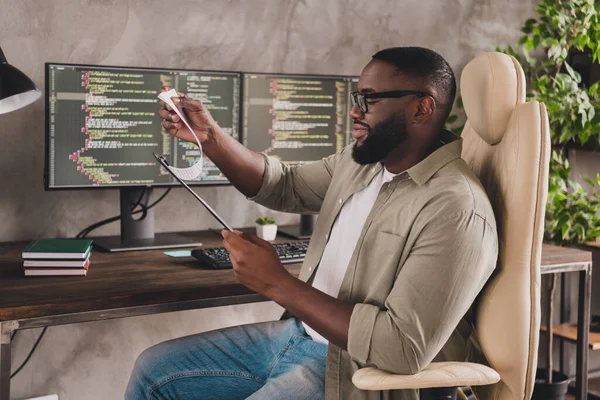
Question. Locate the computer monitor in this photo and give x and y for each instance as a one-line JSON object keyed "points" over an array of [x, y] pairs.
{"points": [[297, 119], [102, 126]]}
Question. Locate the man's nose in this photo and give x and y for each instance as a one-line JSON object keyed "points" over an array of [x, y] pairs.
{"points": [[355, 113]]}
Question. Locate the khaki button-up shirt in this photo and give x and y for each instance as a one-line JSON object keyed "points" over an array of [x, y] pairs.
{"points": [[425, 251]]}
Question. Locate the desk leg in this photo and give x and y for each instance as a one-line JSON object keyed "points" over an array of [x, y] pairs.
{"points": [[583, 332], [5, 359], [563, 318]]}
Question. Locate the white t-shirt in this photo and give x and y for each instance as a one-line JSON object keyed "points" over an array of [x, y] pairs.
{"points": [[342, 241]]}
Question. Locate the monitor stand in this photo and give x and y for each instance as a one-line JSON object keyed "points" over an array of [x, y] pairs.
{"points": [[138, 234], [302, 231]]}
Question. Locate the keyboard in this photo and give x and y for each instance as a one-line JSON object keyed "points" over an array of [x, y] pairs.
{"points": [[218, 257]]}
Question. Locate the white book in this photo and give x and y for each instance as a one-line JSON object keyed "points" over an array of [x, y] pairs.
{"points": [[55, 263], [49, 271], [55, 272]]}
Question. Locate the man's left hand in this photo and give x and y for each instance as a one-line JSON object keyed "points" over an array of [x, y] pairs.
{"points": [[255, 262]]}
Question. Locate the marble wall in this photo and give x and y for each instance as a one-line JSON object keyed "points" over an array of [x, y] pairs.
{"points": [[92, 361]]}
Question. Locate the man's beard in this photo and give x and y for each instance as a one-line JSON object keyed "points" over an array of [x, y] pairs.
{"points": [[380, 141]]}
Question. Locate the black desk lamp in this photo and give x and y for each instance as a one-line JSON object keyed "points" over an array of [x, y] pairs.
{"points": [[16, 89]]}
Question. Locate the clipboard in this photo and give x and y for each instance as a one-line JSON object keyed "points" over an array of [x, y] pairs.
{"points": [[165, 164]]}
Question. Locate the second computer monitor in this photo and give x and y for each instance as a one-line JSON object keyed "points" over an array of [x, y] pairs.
{"points": [[296, 118]]}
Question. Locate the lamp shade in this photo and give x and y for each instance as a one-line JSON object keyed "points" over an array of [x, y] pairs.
{"points": [[16, 89]]}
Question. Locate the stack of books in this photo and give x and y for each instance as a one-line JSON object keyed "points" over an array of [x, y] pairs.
{"points": [[57, 257]]}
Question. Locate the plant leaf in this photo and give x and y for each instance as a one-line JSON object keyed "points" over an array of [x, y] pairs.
{"points": [[572, 73], [451, 119]]}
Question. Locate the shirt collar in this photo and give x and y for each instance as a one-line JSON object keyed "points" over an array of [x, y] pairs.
{"points": [[449, 151]]}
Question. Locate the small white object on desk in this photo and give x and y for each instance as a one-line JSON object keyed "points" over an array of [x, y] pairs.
{"points": [[266, 232], [195, 170]]}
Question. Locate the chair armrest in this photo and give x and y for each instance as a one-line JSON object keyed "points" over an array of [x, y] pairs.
{"points": [[435, 375]]}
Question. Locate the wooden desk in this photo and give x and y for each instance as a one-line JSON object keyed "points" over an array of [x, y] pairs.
{"points": [[149, 282], [566, 259], [117, 285]]}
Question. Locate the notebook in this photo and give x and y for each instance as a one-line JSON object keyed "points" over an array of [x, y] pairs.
{"points": [[71, 249], [45, 271]]}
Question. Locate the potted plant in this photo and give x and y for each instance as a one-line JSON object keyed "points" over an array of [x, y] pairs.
{"points": [[266, 228], [562, 28]]}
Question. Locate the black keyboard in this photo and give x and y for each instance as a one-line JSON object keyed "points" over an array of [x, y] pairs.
{"points": [[218, 257]]}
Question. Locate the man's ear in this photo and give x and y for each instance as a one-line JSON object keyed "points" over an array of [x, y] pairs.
{"points": [[424, 110]]}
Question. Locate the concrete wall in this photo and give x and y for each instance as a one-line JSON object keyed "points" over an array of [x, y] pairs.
{"points": [[93, 361]]}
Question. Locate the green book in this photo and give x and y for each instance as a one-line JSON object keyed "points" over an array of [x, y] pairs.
{"points": [[77, 249]]}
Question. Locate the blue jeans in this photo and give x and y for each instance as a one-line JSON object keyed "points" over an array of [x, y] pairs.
{"points": [[271, 360]]}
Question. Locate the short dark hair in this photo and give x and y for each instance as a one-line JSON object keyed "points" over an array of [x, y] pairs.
{"points": [[424, 64]]}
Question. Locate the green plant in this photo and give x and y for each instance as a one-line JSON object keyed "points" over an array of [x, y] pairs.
{"points": [[571, 213], [455, 121], [573, 108], [563, 27], [265, 221]]}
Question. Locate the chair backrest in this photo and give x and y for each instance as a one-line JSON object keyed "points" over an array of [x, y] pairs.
{"points": [[507, 144]]}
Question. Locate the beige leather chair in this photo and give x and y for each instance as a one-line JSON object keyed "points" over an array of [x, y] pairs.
{"points": [[507, 144]]}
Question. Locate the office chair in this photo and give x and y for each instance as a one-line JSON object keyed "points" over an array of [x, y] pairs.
{"points": [[507, 145]]}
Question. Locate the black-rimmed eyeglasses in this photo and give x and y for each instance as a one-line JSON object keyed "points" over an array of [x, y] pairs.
{"points": [[359, 99]]}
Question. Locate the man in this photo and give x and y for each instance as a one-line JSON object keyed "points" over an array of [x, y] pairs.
{"points": [[405, 240]]}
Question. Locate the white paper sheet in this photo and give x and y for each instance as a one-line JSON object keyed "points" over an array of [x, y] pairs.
{"points": [[196, 169]]}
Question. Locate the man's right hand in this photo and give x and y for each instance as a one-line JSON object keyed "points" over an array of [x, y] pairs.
{"points": [[195, 113], [244, 168]]}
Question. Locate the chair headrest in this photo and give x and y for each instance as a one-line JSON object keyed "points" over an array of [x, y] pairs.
{"points": [[491, 85]]}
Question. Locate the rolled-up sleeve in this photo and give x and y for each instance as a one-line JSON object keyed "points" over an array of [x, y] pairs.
{"points": [[299, 189], [447, 267]]}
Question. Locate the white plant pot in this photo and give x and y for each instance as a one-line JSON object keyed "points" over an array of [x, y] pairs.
{"points": [[266, 232]]}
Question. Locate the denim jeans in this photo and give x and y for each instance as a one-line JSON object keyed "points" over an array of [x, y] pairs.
{"points": [[270, 360]]}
